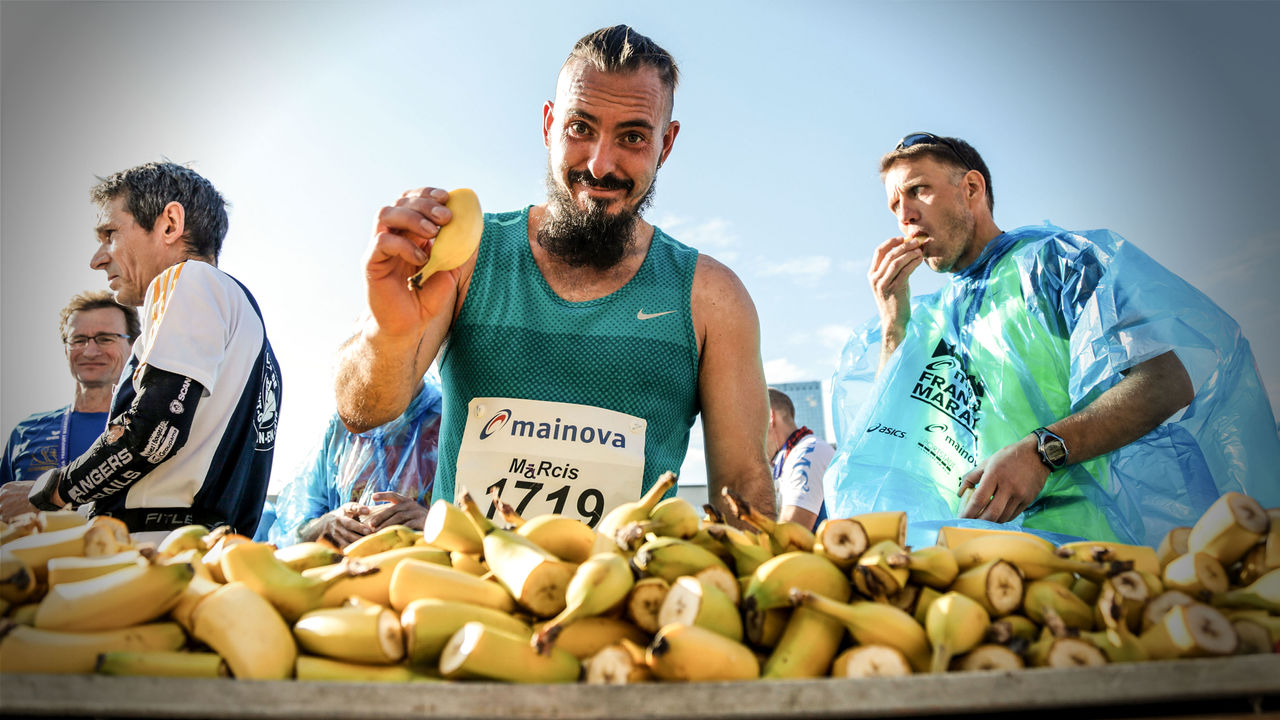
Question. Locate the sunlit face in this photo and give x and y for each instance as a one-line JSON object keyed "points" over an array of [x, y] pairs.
{"points": [[930, 205], [130, 256], [97, 364], [606, 134]]}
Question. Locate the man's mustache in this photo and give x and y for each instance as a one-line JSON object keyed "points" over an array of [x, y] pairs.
{"points": [[608, 182]]}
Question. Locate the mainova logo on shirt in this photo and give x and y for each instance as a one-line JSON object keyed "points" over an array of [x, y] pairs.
{"points": [[555, 430]]}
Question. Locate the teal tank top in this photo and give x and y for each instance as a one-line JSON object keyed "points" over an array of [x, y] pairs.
{"points": [[633, 351]]}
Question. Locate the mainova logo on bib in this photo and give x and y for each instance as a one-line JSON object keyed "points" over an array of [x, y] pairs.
{"points": [[555, 429]]}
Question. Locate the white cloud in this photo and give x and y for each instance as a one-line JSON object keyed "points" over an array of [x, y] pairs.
{"points": [[713, 234], [834, 336], [808, 266], [783, 370]]}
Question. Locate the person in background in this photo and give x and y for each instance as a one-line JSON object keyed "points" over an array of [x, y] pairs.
{"points": [[97, 334], [354, 484], [1060, 381], [800, 459], [578, 344], [193, 422]]}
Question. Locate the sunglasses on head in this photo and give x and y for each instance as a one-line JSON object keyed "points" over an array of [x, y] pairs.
{"points": [[924, 138]]}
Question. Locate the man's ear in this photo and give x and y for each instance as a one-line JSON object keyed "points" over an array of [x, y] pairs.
{"points": [[668, 140], [975, 188], [170, 224]]}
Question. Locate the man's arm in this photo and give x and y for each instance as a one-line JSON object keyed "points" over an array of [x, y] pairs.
{"points": [[154, 428], [891, 266], [797, 514], [1013, 477], [731, 389], [380, 366]]}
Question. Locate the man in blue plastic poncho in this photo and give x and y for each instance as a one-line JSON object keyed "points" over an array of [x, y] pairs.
{"points": [[353, 484], [1078, 387]]}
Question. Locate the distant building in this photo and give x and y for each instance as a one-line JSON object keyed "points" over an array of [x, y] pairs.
{"points": [[811, 405]]}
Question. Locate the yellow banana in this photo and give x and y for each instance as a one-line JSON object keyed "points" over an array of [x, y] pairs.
{"points": [[1194, 630], [568, 538], [1064, 652], [954, 624], [74, 568], [764, 628], [129, 596], [219, 541], [1234, 523], [106, 535], [473, 564], [54, 520], [988, 657], [1195, 573], [840, 540], [674, 517], [162, 663], [1260, 617], [447, 527], [1118, 643], [247, 631], [534, 577], [865, 661], [1043, 595], [291, 592], [1031, 557], [415, 579], [38, 549], [368, 634], [693, 602], [306, 555], [1263, 594], [187, 537], [1121, 599], [807, 647], [1161, 604], [192, 594], [1254, 637], [22, 526], [18, 582], [723, 580], [886, 525], [783, 536], [618, 664], [934, 566], [1173, 545], [995, 584], [924, 599], [692, 654], [457, 240], [775, 579], [645, 601], [382, 540], [669, 558], [429, 623], [484, 652], [954, 537], [876, 576], [375, 587], [590, 635], [872, 623], [630, 512], [323, 669], [597, 586], [1086, 589], [31, 650], [1143, 557], [747, 556]]}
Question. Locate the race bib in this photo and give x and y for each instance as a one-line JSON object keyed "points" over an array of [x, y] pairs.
{"points": [[549, 457]]}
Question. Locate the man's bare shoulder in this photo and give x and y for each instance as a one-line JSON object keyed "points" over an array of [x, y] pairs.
{"points": [[717, 289]]}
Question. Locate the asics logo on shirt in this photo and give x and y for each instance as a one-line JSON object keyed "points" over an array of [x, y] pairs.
{"points": [[642, 315]]}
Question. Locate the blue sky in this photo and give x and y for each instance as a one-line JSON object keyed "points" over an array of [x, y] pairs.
{"points": [[1157, 120]]}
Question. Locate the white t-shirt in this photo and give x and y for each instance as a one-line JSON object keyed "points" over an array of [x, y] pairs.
{"points": [[797, 475], [200, 322]]}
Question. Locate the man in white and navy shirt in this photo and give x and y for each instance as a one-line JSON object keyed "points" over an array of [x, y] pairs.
{"points": [[194, 418], [799, 460]]}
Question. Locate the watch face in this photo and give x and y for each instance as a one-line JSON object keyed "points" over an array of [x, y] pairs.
{"points": [[1054, 451]]}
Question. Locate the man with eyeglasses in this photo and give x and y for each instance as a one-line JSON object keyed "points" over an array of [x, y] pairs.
{"points": [[97, 334], [193, 423], [1060, 381]]}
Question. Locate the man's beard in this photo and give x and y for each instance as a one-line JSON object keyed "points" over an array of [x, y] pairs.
{"points": [[593, 237]]}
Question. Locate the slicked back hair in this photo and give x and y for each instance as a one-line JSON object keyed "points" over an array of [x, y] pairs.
{"points": [[97, 300], [946, 156], [620, 49], [147, 189], [781, 404]]}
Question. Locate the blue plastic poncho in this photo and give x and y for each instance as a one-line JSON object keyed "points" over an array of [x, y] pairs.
{"points": [[399, 456], [1037, 328]]}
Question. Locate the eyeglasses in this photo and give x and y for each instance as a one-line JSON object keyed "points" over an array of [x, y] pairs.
{"points": [[102, 340], [924, 138]]}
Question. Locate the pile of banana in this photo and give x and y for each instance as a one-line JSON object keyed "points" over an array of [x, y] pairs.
{"points": [[657, 592]]}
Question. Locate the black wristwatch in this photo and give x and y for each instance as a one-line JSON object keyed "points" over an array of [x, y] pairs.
{"points": [[1052, 449]]}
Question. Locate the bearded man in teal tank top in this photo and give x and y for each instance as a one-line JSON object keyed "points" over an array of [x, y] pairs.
{"points": [[579, 343]]}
